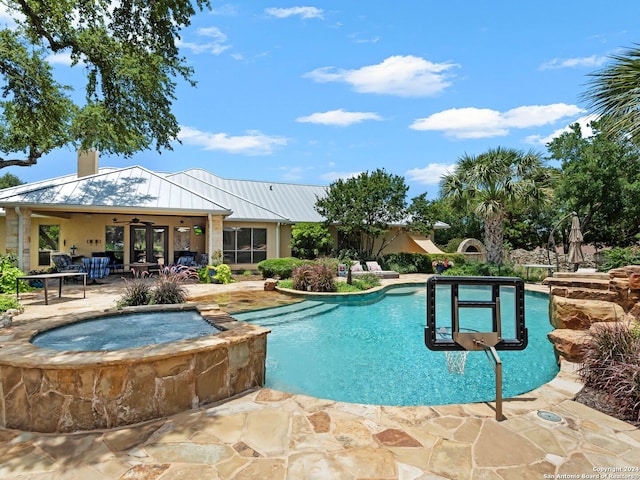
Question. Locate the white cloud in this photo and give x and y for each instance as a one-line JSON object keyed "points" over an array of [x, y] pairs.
{"points": [[339, 118], [302, 12], [584, 128], [578, 62], [473, 122], [225, 10], [253, 143], [431, 174], [333, 176], [60, 58], [405, 76], [361, 38], [292, 174], [215, 47], [7, 17]]}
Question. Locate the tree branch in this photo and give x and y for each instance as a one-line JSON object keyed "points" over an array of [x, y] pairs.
{"points": [[32, 159], [38, 27]]}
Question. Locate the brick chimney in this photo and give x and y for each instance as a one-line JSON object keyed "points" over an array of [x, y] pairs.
{"points": [[87, 162]]}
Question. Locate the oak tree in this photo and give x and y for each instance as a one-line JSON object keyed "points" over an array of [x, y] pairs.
{"points": [[128, 54]]}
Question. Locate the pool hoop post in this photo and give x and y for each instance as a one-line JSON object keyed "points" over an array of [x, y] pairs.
{"points": [[497, 368]]}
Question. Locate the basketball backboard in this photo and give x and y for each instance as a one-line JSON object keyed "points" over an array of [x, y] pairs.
{"points": [[473, 313]]}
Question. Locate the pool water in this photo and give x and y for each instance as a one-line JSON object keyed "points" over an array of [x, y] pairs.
{"points": [[127, 330], [375, 353]]}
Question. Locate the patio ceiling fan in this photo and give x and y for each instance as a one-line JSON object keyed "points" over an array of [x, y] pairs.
{"points": [[134, 221]]}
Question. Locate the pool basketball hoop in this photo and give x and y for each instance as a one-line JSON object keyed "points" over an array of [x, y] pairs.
{"points": [[471, 316], [456, 360]]}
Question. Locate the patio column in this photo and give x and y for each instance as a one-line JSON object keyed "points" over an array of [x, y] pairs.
{"points": [[18, 236], [215, 234]]}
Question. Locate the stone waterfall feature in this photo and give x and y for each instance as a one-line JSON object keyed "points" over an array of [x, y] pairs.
{"points": [[582, 302]]}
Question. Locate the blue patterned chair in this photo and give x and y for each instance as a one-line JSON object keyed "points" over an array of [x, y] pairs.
{"points": [[63, 264], [95, 267]]}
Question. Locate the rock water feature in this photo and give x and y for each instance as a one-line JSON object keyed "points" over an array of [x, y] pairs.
{"points": [[580, 302]]}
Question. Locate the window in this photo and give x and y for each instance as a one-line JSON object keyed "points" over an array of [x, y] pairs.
{"points": [[48, 241], [181, 238], [244, 245], [114, 242]]}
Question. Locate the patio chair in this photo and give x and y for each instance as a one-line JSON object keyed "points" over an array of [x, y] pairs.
{"points": [[202, 260], [356, 269], [114, 263], [374, 267], [64, 264], [186, 261], [95, 267]]}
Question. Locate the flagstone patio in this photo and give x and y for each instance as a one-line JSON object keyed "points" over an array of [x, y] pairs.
{"points": [[269, 434]]}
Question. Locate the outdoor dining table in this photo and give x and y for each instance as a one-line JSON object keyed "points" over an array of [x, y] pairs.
{"points": [[45, 277], [548, 267]]}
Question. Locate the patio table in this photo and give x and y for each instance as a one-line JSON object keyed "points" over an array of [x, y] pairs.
{"points": [[549, 268], [45, 277]]}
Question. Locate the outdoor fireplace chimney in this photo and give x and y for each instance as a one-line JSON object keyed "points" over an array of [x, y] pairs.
{"points": [[87, 162]]}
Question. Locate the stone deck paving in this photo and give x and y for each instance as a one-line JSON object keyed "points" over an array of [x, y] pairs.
{"points": [[269, 434]]}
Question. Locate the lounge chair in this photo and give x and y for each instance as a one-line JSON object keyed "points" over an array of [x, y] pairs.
{"points": [[356, 269], [373, 267]]}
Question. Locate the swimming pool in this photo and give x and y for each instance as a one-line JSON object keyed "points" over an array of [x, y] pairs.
{"points": [[373, 352]]}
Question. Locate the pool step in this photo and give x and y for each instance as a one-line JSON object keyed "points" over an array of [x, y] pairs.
{"points": [[397, 291], [299, 311]]}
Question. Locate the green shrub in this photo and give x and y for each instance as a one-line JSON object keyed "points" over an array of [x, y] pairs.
{"points": [[315, 277], [9, 302], [620, 257], [611, 364], [168, 290], [452, 245], [366, 281], [477, 269], [406, 262], [203, 275], [136, 292], [223, 273], [310, 240], [287, 283], [9, 273], [279, 267]]}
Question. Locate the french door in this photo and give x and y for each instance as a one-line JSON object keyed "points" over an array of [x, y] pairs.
{"points": [[149, 244]]}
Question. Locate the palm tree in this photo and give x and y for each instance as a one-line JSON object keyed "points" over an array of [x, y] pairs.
{"points": [[491, 184], [614, 92]]}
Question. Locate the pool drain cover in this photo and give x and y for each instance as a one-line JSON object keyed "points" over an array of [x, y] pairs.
{"points": [[549, 416]]}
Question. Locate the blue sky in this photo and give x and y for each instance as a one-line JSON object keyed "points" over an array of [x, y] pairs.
{"points": [[313, 91]]}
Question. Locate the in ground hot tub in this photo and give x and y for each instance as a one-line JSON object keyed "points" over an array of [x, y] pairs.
{"points": [[46, 390]]}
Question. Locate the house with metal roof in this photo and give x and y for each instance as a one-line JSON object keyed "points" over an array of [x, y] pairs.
{"points": [[146, 217]]}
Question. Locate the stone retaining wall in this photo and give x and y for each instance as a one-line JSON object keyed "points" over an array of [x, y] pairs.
{"points": [[42, 390], [542, 256]]}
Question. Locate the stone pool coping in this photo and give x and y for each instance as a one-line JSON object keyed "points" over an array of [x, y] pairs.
{"points": [[17, 350]]}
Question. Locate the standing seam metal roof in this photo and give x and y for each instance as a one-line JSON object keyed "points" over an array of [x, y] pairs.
{"points": [[293, 202], [128, 187]]}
